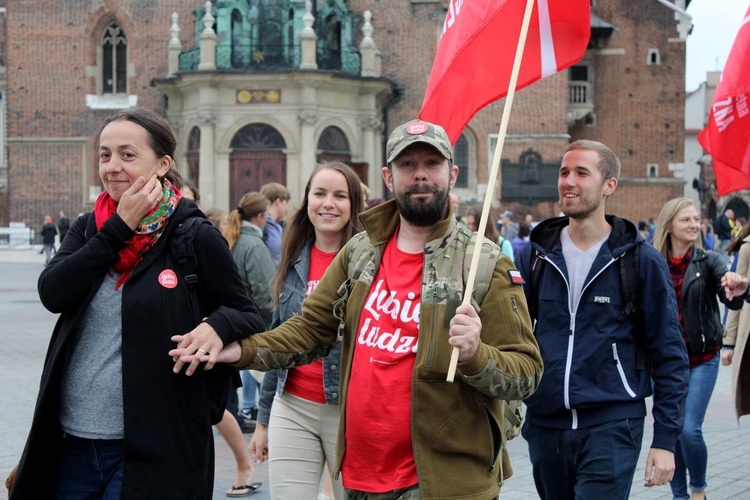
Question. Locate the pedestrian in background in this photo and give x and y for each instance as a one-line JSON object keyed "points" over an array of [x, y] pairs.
{"points": [[244, 234], [190, 191], [735, 345], [48, 232], [697, 279], [112, 418], [278, 196], [510, 228], [218, 218], [63, 224], [297, 429], [474, 215]]}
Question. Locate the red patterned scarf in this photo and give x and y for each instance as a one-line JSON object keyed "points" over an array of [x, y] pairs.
{"points": [[146, 234]]}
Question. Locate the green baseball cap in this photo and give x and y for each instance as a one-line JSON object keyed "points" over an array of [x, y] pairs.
{"points": [[415, 131]]}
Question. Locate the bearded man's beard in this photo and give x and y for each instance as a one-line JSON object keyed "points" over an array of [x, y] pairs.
{"points": [[422, 212]]}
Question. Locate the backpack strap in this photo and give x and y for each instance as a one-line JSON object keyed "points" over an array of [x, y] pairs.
{"points": [[536, 264], [487, 259], [182, 249], [629, 267], [359, 253]]}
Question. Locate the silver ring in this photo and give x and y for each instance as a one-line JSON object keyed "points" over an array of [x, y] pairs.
{"points": [[201, 350]]}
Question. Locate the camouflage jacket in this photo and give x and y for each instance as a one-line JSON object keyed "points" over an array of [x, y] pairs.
{"points": [[456, 427]]}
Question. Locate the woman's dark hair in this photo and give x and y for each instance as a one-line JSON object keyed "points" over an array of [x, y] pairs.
{"points": [[490, 231], [160, 136], [737, 241], [300, 231], [523, 229]]}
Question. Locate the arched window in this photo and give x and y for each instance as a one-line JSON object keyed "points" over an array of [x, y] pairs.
{"points": [[259, 137], [333, 146], [193, 155], [461, 158], [114, 60]]}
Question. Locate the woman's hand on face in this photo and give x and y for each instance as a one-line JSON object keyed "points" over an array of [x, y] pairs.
{"points": [[139, 200], [201, 345]]}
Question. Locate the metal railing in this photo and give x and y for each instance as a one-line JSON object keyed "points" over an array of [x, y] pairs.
{"points": [[263, 56]]}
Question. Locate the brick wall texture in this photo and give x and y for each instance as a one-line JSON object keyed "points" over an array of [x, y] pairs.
{"points": [[52, 133]]}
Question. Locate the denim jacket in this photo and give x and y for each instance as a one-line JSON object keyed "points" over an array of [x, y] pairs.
{"points": [[290, 303]]}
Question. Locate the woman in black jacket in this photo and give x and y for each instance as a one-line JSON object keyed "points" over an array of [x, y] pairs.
{"points": [[112, 418], [696, 274]]}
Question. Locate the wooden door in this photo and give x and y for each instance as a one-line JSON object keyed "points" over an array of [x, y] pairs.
{"points": [[249, 170]]}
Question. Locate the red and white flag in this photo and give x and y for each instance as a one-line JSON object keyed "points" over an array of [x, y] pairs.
{"points": [[727, 135], [475, 55], [728, 179]]}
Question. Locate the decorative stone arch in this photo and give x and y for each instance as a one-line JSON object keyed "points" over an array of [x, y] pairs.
{"points": [[335, 143], [257, 157], [224, 140]]}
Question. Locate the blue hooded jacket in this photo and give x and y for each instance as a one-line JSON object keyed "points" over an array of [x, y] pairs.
{"points": [[590, 375]]}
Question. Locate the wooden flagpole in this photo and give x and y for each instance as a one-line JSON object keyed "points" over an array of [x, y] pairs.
{"points": [[493, 173]]}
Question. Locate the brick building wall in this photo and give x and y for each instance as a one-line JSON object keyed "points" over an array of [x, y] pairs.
{"points": [[52, 133], [639, 107]]}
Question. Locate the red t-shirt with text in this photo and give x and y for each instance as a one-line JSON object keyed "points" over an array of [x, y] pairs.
{"points": [[379, 457], [306, 381]]}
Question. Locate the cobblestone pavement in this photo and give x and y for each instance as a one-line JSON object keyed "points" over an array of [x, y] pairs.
{"points": [[25, 327]]}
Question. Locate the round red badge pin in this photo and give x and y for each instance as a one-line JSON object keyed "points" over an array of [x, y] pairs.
{"points": [[417, 128], [168, 279]]}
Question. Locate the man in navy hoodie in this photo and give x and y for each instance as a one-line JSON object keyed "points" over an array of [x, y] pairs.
{"points": [[584, 424]]}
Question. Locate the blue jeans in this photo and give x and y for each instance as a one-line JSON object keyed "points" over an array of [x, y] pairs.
{"points": [[593, 463], [249, 387], [691, 455], [90, 469]]}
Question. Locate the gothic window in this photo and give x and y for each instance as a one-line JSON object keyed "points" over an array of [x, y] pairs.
{"points": [[114, 60], [461, 158]]}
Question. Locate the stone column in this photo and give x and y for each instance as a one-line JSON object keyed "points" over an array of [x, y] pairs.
{"points": [[174, 47], [307, 119], [207, 159], [371, 128]]}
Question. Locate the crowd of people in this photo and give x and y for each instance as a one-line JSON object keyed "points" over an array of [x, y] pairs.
{"points": [[336, 322]]}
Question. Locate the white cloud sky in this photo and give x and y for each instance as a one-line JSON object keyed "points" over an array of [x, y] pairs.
{"points": [[715, 26]]}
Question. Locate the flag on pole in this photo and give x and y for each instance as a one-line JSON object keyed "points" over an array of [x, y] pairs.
{"points": [[727, 135], [728, 179], [474, 58]]}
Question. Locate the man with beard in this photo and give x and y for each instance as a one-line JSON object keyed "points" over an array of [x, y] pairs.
{"points": [[404, 431], [584, 424]]}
